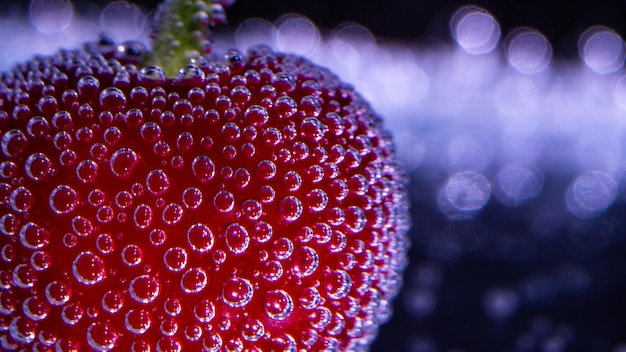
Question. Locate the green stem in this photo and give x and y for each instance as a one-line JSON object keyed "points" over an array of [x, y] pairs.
{"points": [[182, 34]]}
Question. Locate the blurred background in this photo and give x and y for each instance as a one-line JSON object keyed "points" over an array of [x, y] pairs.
{"points": [[510, 116]]}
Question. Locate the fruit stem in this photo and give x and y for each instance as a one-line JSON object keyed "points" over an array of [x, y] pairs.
{"points": [[181, 34]]}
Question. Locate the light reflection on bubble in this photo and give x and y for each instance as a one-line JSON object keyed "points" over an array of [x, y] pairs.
{"points": [[50, 16], [527, 50], [122, 20], [602, 49], [464, 195], [475, 30], [297, 34], [517, 184], [591, 194], [254, 31], [500, 303]]}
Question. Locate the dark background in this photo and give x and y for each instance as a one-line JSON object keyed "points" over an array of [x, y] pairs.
{"points": [[560, 21]]}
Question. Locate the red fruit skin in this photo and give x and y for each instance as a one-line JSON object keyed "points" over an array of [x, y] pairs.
{"points": [[252, 203]]}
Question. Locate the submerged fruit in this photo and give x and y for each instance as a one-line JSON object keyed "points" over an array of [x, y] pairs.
{"points": [[251, 203]]}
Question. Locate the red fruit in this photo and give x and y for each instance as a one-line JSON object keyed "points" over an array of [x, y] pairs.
{"points": [[252, 203]]}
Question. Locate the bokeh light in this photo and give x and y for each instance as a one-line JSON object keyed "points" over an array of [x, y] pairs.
{"points": [[602, 49], [50, 16], [464, 195], [295, 33], [475, 30], [527, 50]]}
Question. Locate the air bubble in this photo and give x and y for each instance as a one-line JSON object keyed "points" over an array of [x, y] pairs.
{"points": [[256, 115], [112, 99], [297, 34], [132, 255], [88, 269], [24, 276], [63, 200], [58, 293], [464, 195], [137, 321], [40, 261], [224, 201], [591, 194], [144, 289], [475, 30], [203, 168], [237, 238], [290, 208], [305, 262], [33, 237], [285, 107], [517, 184], [123, 162], [272, 271], [355, 219], [112, 301], [602, 49], [157, 182], [21, 200], [172, 214], [82, 226], [152, 76], [237, 292], [200, 238], [212, 342], [527, 50], [122, 20], [9, 224], [101, 336], [337, 284], [204, 311], [252, 330], [22, 330], [278, 304], [252, 209], [38, 167], [175, 259], [35, 308], [193, 332], [86, 171], [253, 32], [50, 16], [142, 216], [194, 280], [72, 313]]}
